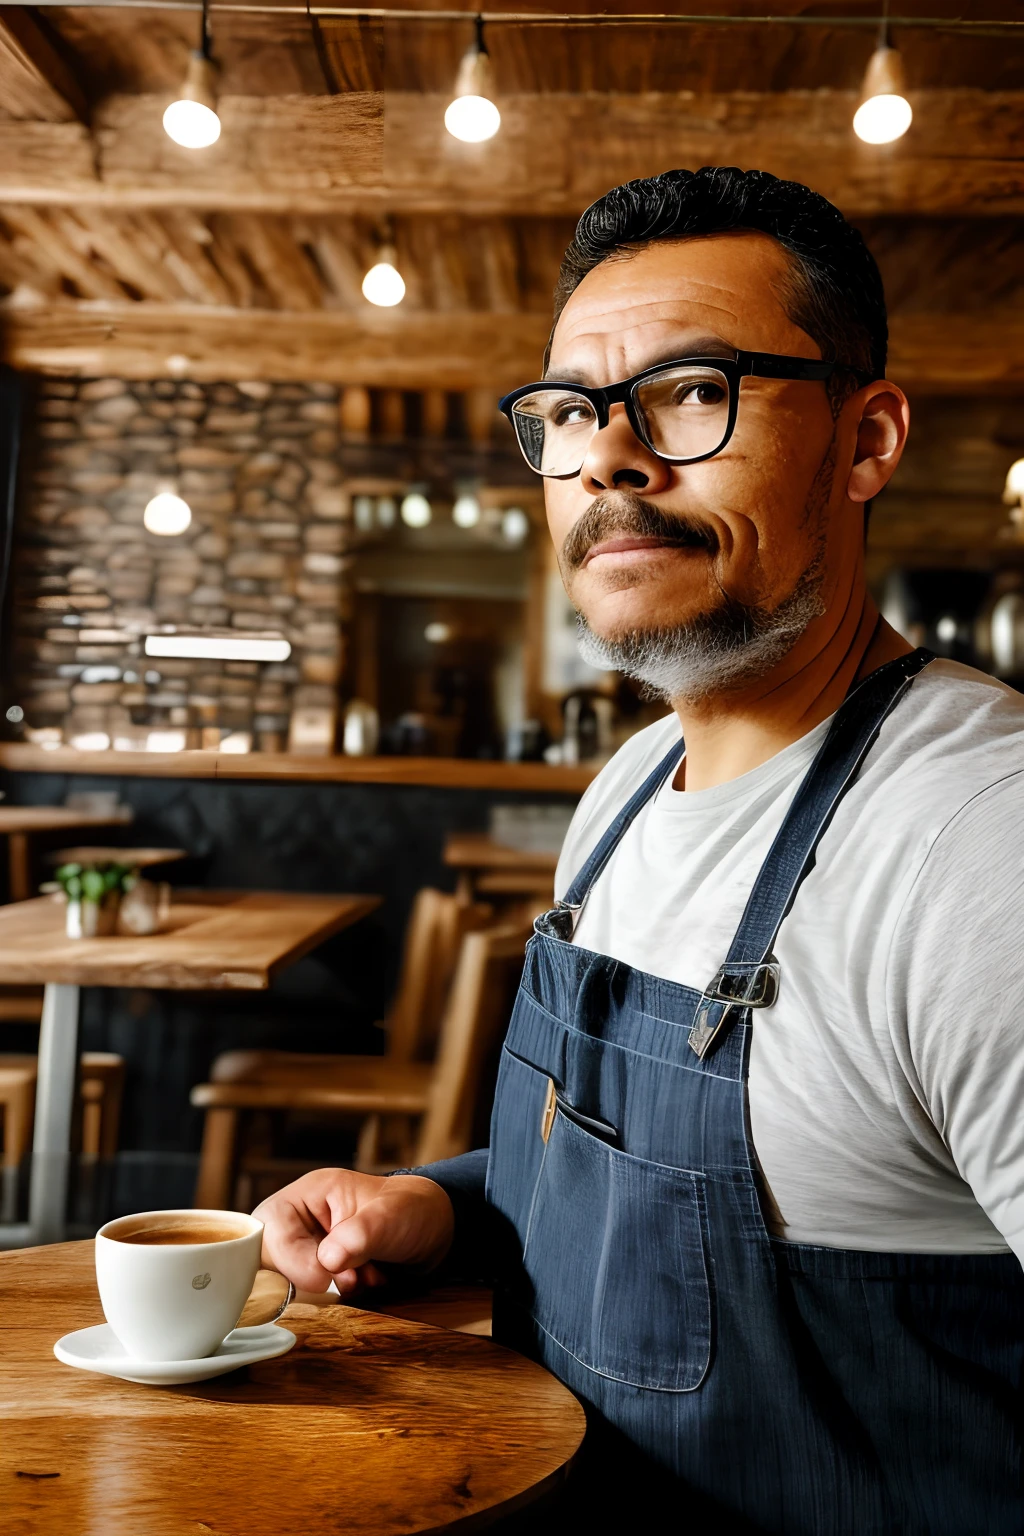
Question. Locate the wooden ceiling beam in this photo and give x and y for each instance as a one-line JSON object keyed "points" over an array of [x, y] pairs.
{"points": [[554, 154], [373, 347], [35, 82], [972, 353]]}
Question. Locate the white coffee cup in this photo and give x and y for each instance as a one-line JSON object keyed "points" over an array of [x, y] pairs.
{"points": [[168, 1297]]}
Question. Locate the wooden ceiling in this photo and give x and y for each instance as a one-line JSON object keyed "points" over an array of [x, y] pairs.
{"points": [[119, 251]]}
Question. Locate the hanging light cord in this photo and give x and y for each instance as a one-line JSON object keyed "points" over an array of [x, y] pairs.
{"points": [[322, 56], [481, 46], [204, 40]]}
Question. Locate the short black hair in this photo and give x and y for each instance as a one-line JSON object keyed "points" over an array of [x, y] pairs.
{"points": [[835, 293]]}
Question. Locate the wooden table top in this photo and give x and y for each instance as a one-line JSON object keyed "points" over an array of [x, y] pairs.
{"points": [[136, 858], [475, 850], [213, 940], [58, 818], [371, 1426]]}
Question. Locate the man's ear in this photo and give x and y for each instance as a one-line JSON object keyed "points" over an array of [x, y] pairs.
{"points": [[881, 435]]}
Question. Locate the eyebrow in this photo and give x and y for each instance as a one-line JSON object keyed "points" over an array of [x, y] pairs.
{"points": [[700, 346]]}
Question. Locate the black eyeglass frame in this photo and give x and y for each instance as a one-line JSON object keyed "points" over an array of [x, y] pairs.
{"points": [[741, 365]]}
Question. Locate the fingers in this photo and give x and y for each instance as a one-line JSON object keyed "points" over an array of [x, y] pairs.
{"points": [[409, 1221], [334, 1223], [296, 1219], [290, 1247], [354, 1242]]}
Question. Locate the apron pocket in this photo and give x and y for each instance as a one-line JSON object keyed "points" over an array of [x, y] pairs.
{"points": [[617, 1259]]}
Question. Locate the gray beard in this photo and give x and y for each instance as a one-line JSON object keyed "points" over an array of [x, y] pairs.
{"points": [[715, 653]]}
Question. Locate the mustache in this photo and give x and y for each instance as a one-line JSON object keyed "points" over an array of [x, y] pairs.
{"points": [[626, 513]]}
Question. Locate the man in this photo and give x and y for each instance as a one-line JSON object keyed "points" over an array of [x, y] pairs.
{"points": [[754, 1188]]}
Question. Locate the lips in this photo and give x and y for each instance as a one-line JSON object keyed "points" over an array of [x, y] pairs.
{"points": [[625, 544]]}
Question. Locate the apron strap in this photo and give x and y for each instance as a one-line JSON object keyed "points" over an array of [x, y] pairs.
{"points": [[750, 976], [578, 891]]}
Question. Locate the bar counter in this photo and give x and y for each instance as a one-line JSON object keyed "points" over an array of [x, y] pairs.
{"points": [[439, 772]]}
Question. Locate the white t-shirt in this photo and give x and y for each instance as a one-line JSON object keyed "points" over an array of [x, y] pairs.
{"points": [[887, 1082]]}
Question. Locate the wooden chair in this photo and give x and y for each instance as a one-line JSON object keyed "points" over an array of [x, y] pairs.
{"points": [[442, 1095], [433, 935], [21, 1005], [101, 1088]]}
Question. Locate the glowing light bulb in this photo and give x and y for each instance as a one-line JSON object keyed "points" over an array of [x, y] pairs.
{"points": [[191, 125], [384, 285], [515, 525], [884, 113], [1005, 630], [167, 514], [415, 510], [472, 119], [192, 120], [882, 119], [472, 116], [466, 511], [1014, 490]]}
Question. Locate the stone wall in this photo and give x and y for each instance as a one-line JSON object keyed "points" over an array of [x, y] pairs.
{"points": [[259, 465]]}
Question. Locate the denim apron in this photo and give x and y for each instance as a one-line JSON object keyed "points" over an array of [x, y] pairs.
{"points": [[801, 1389]]}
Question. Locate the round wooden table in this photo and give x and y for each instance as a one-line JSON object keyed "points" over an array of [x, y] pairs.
{"points": [[372, 1424]]}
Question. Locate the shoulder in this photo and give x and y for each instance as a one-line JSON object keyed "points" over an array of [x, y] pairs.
{"points": [[957, 735], [608, 793]]}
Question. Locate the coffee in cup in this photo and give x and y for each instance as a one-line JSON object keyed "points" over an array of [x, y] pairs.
{"points": [[156, 1234], [173, 1284]]}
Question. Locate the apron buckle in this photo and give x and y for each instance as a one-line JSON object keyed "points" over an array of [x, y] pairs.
{"points": [[563, 917], [738, 984]]}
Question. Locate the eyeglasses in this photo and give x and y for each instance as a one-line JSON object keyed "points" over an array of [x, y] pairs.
{"points": [[683, 411]]}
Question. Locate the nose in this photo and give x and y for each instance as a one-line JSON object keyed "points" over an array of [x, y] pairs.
{"points": [[617, 459]]}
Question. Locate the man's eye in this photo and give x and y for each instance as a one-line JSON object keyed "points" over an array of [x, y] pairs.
{"points": [[572, 413], [702, 392]]}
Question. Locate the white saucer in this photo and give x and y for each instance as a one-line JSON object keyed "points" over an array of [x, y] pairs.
{"points": [[98, 1349]]}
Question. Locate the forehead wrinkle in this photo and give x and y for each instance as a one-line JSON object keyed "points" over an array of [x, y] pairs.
{"points": [[600, 318]]}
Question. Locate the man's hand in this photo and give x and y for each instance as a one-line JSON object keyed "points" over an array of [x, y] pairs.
{"points": [[332, 1225]]}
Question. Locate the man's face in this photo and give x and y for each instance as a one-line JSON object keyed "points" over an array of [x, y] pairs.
{"points": [[768, 509]]}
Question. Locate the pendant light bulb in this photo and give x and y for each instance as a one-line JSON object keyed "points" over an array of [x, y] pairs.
{"points": [[466, 510], [1013, 491], [885, 113], [416, 510], [167, 514], [192, 120], [472, 115], [384, 285]]}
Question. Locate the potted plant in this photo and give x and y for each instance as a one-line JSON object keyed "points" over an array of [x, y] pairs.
{"points": [[93, 895]]}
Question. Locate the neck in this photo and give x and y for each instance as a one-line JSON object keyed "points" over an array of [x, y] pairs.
{"points": [[732, 733]]}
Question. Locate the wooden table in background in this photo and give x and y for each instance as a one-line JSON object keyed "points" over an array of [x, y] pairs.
{"points": [[133, 858], [18, 822], [487, 868], [213, 941], [373, 1425]]}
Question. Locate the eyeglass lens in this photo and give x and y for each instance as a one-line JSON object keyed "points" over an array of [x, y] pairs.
{"points": [[684, 410]]}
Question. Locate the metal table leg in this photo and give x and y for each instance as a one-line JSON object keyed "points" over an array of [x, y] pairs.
{"points": [[55, 1100]]}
